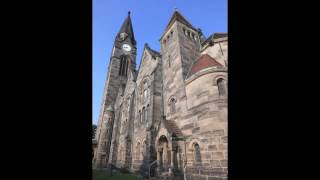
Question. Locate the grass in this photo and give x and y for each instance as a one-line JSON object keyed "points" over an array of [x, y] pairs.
{"points": [[103, 175]]}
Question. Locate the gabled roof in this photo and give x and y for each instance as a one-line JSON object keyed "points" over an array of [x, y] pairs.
{"points": [[203, 62], [127, 28], [219, 35], [214, 36], [172, 127], [152, 52], [178, 17]]}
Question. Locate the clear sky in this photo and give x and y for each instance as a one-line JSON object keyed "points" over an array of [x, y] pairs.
{"points": [[149, 19]]}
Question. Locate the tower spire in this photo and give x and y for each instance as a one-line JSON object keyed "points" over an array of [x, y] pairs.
{"points": [[126, 31]]}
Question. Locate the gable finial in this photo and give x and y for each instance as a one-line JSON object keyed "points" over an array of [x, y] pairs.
{"points": [[175, 9], [129, 13]]}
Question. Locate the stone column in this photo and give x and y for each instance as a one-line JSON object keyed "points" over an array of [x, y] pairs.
{"points": [[178, 160], [158, 160], [172, 159], [165, 156]]}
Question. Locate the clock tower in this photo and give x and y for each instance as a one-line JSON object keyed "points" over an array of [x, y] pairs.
{"points": [[122, 61]]}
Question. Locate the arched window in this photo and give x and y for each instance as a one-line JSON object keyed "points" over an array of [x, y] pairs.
{"points": [[146, 113], [197, 153], [145, 95], [123, 66], [140, 117], [169, 60], [222, 87], [144, 147], [172, 105], [145, 91], [143, 114], [138, 151]]}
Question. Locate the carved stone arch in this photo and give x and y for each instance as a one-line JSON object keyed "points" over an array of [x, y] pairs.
{"points": [[219, 77], [193, 142], [172, 104], [222, 84], [172, 98], [144, 143], [146, 79], [137, 149]]}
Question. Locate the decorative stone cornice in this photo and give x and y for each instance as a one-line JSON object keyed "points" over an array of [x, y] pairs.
{"points": [[205, 71]]}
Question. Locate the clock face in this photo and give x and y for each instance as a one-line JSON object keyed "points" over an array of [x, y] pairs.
{"points": [[126, 47]]}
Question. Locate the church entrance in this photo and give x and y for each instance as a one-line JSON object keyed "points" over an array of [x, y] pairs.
{"points": [[163, 154]]}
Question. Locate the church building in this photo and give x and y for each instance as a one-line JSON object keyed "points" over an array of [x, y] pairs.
{"points": [[170, 114]]}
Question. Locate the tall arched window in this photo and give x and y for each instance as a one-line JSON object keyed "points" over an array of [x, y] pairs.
{"points": [[140, 117], [138, 151], [145, 90], [143, 114], [172, 105], [169, 60], [144, 147], [123, 66], [146, 113], [197, 153], [145, 95], [222, 87]]}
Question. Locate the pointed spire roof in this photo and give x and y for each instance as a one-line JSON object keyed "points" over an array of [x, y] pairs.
{"points": [[178, 17], [127, 28]]}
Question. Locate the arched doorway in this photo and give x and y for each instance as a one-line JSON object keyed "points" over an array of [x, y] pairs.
{"points": [[163, 153]]}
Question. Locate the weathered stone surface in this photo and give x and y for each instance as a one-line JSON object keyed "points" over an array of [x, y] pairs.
{"points": [[199, 177], [212, 147], [217, 155], [224, 139], [187, 126], [215, 163], [195, 130], [215, 178], [224, 163], [223, 146]]}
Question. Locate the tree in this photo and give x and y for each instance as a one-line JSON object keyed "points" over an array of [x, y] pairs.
{"points": [[94, 128]]}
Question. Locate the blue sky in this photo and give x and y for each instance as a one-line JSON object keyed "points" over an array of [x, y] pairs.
{"points": [[149, 19]]}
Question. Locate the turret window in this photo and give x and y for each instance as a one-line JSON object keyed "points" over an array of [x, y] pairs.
{"points": [[222, 87], [172, 105], [197, 153]]}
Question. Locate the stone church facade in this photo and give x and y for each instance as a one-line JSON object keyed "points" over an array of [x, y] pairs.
{"points": [[170, 115]]}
